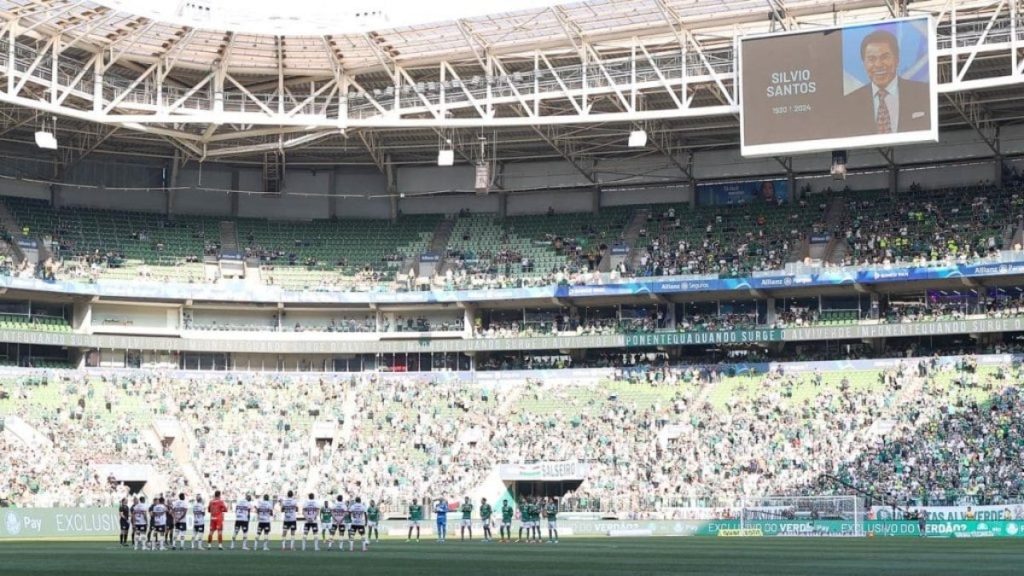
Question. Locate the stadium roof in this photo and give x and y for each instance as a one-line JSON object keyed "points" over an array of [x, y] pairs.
{"points": [[143, 30], [314, 17], [370, 56]]}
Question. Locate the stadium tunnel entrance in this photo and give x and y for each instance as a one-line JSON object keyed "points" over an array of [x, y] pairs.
{"points": [[546, 489]]}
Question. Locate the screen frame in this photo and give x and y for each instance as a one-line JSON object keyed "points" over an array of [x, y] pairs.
{"points": [[844, 142]]}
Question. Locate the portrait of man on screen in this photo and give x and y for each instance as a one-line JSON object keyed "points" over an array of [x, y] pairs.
{"points": [[888, 103]]}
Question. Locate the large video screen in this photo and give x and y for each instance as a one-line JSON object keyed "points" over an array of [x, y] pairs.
{"points": [[838, 88]]}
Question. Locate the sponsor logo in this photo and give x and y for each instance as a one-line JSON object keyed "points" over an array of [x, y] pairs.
{"points": [[1011, 529], [13, 524]]}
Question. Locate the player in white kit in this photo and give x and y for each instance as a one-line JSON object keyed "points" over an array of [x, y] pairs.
{"points": [[358, 512], [290, 511], [139, 519], [264, 515], [311, 512], [159, 523], [198, 522], [338, 512], [179, 512], [243, 510]]}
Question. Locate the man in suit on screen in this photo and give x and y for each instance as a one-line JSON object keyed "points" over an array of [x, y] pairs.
{"points": [[887, 103]]}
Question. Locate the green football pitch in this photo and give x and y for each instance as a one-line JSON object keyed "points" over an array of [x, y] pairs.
{"points": [[630, 556]]}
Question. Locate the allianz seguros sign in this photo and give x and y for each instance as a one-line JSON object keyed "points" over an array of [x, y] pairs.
{"points": [[58, 522]]}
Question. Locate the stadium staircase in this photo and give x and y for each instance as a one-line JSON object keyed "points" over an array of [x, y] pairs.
{"points": [[155, 483], [228, 236], [631, 235], [835, 215], [439, 241], [15, 427], [13, 230], [181, 443], [492, 483], [1014, 236]]}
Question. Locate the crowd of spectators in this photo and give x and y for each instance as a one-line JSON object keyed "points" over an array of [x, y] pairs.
{"points": [[657, 437], [956, 224], [876, 228]]}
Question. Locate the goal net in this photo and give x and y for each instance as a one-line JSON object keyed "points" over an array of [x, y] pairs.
{"points": [[804, 515]]}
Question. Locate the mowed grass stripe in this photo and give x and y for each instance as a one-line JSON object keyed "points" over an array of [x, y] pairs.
{"points": [[634, 557]]}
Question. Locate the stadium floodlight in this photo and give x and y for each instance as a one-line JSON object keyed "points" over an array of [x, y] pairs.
{"points": [[446, 157], [46, 140], [638, 139]]}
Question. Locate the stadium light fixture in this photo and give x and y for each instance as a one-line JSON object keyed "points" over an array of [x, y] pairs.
{"points": [[46, 140], [638, 139]]}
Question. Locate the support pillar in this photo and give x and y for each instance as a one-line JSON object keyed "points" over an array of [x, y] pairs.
{"points": [[173, 177], [56, 196], [392, 177], [332, 194], [502, 204], [236, 178], [469, 317]]}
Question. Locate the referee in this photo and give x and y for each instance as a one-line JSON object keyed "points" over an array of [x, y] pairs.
{"points": [[123, 515]]}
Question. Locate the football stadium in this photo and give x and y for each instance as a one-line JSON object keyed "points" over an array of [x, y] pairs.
{"points": [[513, 287]]}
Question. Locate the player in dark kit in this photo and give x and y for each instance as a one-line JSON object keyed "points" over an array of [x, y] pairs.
{"points": [[150, 530], [124, 517], [415, 517]]}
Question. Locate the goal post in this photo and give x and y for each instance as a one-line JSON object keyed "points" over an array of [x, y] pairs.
{"points": [[804, 515]]}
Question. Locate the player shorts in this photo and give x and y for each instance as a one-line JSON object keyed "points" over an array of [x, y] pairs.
{"points": [[159, 529], [360, 529], [199, 528], [180, 526], [325, 527], [467, 523], [336, 528], [414, 523], [310, 527], [552, 525], [124, 525], [290, 525], [140, 527], [242, 526], [263, 528], [371, 524], [217, 525]]}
